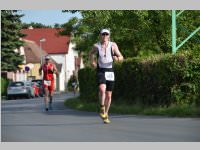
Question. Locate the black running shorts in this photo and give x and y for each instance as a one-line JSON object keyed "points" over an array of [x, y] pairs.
{"points": [[101, 79]]}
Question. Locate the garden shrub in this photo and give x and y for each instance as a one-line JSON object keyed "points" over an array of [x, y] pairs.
{"points": [[4, 85], [158, 80]]}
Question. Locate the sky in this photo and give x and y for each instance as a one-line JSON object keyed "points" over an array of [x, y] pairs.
{"points": [[46, 17]]}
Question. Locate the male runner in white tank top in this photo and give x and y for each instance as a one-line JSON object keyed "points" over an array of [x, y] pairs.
{"points": [[106, 52]]}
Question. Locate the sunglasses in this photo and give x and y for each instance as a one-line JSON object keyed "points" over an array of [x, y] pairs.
{"points": [[103, 34]]}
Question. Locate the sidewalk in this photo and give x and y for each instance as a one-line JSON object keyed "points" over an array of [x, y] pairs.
{"points": [[66, 92]]}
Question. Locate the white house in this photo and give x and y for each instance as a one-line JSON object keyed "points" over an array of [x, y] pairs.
{"points": [[32, 59], [59, 48]]}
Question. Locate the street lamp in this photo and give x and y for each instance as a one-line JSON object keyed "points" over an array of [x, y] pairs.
{"points": [[41, 40]]}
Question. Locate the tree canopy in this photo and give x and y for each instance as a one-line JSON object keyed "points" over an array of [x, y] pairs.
{"points": [[137, 32], [10, 40], [34, 25]]}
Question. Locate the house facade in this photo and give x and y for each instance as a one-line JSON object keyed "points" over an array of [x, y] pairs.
{"points": [[59, 48], [30, 68]]}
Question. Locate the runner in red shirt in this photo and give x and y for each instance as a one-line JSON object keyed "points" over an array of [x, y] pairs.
{"points": [[48, 81]]}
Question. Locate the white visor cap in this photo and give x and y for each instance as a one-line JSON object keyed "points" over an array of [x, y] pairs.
{"points": [[47, 57], [105, 31]]}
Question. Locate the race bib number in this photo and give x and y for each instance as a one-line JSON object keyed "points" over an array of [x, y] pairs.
{"points": [[109, 76], [47, 82]]}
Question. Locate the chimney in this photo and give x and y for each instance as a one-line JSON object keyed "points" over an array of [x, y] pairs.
{"points": [[30, 27]]}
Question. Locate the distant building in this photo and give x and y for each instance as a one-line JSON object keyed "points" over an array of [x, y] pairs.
{"points": [[58, 47]]}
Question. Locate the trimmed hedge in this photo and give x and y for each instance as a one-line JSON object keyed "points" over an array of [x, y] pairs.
{"points": [[162, 80], [4, 85], [87, 84]]}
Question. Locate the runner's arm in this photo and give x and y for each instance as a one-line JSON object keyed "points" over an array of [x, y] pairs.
{"points": [[91, 56], [117, 55], [55, 70]]}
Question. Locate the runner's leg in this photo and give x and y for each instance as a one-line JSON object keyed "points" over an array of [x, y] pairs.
{"points": [[102, 95], [102, 90], [50, 96], [108, 101], [51, 90], [46, 98], [107, 106]]}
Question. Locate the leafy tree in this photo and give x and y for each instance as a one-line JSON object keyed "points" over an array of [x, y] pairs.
{"points": [[56, 25], [10, 40], [187, 22], [136, 32], [34, 25]]}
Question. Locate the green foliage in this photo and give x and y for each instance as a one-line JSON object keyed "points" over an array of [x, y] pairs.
{"points": [[187, 22], [173, 111], [159, 80], [137, 32], [36, 25], [87, 84], [10, 40], [187, 91], [4, 85]]}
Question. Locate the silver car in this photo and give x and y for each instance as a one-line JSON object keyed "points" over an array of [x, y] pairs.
{"points": [[20, 88]]}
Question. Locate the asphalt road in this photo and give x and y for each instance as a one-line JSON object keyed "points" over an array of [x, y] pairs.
{"points": [[24, 120]]}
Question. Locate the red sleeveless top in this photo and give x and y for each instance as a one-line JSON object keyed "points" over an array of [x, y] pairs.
{"points": [[47, 70]]}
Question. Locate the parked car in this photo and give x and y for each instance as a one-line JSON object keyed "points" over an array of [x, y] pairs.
{"points": [[20, 88], [41, 89], [36, 88]]}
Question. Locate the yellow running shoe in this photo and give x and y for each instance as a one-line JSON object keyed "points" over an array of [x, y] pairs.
{"points": [[103, 116], [106, 120]]}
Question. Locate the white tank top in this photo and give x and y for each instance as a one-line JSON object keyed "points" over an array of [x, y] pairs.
{"points": [[105, 60]]}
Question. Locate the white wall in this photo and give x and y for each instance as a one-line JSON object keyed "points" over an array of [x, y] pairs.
{"points": [[70, 60], [62, 80], [68, 65], [60, 59], [20, 76]]}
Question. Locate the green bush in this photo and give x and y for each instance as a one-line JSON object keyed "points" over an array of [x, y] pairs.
{"points": [[4, 85], [188, 90], [87, 84], [159, 80]]}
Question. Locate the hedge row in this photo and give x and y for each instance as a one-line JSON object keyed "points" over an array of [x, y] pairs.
{"points": [[4, 85], [162, 80]]}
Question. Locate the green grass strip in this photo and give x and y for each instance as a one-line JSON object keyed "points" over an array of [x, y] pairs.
{"points": [[172, 111]]}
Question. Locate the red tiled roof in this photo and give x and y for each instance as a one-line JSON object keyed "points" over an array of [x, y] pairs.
{"points": [[33, 54], [54, 44]]}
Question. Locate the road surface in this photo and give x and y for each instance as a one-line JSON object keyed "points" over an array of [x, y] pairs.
{"points": [[24, 120]]}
